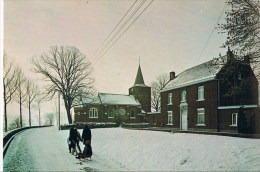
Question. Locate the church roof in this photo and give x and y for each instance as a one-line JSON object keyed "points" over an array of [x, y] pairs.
{"points": [[118, 99], [201, 73], [139, 80], [139, 77], [88, 100]]}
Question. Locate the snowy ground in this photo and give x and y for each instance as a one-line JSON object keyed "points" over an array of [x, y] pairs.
{"points": [[117, 149]]}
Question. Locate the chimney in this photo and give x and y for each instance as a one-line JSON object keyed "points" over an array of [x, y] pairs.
{"points": [[172, 75], [230, 55], [247, 59]]}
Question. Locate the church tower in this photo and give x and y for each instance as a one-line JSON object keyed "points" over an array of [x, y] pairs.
{"points": [[141, 91]]}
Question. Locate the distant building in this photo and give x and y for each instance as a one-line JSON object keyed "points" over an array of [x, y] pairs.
{"points": [[209, 97], [119, 108]]}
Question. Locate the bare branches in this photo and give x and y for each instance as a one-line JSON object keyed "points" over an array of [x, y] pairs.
{"points": [[243, 27], [156, 86], [68, 72], [10, 84]]}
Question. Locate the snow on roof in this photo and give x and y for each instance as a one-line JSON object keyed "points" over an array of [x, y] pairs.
{"points": [[201, 73], [88, 100], [118, 99], [140, 85]]}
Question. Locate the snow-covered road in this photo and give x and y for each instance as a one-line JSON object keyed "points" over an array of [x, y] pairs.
{"points": [[117, 149]]}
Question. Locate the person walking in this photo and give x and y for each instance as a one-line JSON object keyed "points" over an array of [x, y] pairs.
{"points": [[72, 140], [86, 135], [78, 139]]}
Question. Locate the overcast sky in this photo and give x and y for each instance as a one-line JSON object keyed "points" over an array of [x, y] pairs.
{"points": [[169, 36]]}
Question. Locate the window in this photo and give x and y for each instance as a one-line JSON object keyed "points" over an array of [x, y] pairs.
{"points": [[234, 119], [132, 115], [170, 98], [110, 113], [93, 113], [201, 116], [239, 76], [169, 117], [183, 96], [201, 93]]}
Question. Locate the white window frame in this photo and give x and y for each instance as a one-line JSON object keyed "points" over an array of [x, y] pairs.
{"points": [[132, 117], [170, 99], [109, 114], [234, 123], [200, 111], [93, 113], [201, 93], [170, 116], [183, 96]]}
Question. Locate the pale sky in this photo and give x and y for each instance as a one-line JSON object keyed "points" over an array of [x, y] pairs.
{"points": [[169, 36]]}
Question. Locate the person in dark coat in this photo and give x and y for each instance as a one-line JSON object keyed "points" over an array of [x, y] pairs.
{"points": [[73, 140], [78, 139], [86, 135]]}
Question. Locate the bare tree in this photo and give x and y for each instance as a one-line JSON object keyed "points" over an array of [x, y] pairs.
{"points": [[68, 71], [10, 85], [243, 28], [156, 86], [21, 94], [39, 99], [49, 117], [32, 91]]}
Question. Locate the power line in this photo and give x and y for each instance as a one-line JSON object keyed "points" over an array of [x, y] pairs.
{"points": [[219, 17], [115, 35], [114, 28], [124, 31]]}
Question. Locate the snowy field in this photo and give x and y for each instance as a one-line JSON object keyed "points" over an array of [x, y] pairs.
{"points": [[117, 149]]}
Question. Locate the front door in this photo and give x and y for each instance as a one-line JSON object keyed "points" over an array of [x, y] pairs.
{"points": [[184, 117]]}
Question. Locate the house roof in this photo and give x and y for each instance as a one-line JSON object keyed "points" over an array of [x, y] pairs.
{"points": [[201, 73], [118, 99]]}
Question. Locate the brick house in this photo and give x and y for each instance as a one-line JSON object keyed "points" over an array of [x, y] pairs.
{"points": [[209, 96], [119, 108]]}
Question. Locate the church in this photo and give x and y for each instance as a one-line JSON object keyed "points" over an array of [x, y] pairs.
{"points": [[118, 108]]}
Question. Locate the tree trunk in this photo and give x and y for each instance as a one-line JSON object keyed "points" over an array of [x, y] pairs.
{"points": [[30, 124], [39, 114], [5, 108], [21, 118], [5, 117], [67, 106]]}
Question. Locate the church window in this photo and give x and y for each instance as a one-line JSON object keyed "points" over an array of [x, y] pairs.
{"points": [[132, 115], [110, 113], [93, 113]]}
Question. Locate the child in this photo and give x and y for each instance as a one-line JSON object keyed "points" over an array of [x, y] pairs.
{"points": [[87, 152]]}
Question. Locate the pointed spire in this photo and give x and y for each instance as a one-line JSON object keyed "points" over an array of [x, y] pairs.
{"points": [[139, 77]]}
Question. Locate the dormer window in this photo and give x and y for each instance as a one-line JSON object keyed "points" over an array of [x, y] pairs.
{"points": [[183, 96], [170, 98]]}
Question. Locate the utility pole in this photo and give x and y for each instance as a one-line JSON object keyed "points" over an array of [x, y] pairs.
{"points": [[59, 110]]}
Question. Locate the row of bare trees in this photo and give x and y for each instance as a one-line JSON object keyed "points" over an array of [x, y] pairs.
{"points": [[67, 71], [17, 88]]}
